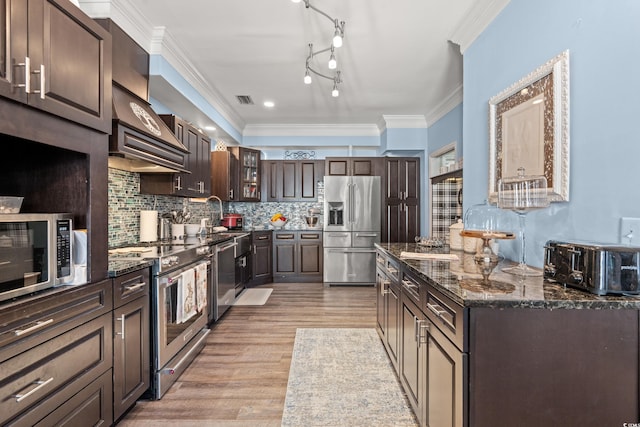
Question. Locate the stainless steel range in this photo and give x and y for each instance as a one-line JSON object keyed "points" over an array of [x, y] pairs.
{"points": [[179, 306]]}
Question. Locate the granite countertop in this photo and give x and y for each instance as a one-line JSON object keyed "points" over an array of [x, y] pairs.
{"points": [[461, 281]]}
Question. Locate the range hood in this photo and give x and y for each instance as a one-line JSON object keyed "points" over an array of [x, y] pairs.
{"points": [[140, 140]]}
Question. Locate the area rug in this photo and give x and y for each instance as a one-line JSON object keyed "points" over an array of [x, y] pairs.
{"points": [[253, 296], [343, 377]]}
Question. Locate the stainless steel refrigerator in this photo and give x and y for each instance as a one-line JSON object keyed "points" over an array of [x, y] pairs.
{"points": [[351, 227]]}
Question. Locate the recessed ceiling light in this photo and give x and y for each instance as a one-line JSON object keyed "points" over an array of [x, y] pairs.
{"points": [[269, 104], [210, 128]]}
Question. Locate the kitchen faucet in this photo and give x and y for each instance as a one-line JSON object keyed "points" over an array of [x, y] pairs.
{"points": [[219, 201]]}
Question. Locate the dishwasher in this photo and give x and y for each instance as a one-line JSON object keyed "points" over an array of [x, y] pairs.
{"points": [[224, 284]]}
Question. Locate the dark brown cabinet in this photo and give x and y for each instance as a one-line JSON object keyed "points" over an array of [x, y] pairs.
{"points": [[353, 166], [401, 199], [197, 183], [262, 257], [56, 59], [131, 340], [57, 351], [291, 180], [235, 174], [297, 256], [388, 306], [450, 354]]}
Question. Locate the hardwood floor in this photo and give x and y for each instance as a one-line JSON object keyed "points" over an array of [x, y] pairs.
{"points": [[240, 378]]}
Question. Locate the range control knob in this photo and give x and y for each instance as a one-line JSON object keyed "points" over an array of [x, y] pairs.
{"points": [[550, 270], [576, 276]]}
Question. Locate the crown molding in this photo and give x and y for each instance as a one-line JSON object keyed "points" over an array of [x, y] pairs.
{"points": [[476, 21], [311, 130], [448, 104], [403, 122]]}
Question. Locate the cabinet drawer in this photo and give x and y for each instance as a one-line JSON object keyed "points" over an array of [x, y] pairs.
{"points": [[61, 366], [285, 236], [89, 407], [262, 236], [388, 265], [446, 315], [316, 235], [130, 286], [411, 287], [30, 321]]}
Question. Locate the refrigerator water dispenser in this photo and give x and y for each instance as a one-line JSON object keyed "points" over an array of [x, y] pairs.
{"points": [[336, 210]]}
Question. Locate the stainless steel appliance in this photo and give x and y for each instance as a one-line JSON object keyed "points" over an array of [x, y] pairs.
{"points": [[242, 262], [597, 268], [224, 285], [179, 305], [36, 252], [351, 227]]}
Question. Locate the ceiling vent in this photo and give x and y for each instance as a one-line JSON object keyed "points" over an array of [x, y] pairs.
{"points": [[244, 99]]}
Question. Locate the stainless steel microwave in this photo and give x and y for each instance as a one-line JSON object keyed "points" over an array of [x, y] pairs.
{"points": [[35, 252]]}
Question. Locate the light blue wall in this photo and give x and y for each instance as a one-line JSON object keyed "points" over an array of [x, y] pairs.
{"points": [[447, 130], [603, 38]]}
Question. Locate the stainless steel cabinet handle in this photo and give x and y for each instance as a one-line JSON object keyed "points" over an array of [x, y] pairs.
{"points": [[121, 333], [178, 183], [409, 284], [436, 309], [41, 91], [231, 194], [134, 287], [423, 327], [38, 325], [415, 327], [27, 74], [39, 384], [366, 235], [383, 287]]}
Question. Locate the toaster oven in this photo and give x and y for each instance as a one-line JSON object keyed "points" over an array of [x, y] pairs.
{"points": [[597, 268]]}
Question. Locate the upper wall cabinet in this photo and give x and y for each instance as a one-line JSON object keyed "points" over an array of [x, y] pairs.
{"points": [[291, 180], [55, 58], [235, 174], [197, 183], [353, 166]]}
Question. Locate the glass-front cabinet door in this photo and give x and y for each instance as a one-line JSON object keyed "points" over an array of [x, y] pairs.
{"points": [[250, 175]]}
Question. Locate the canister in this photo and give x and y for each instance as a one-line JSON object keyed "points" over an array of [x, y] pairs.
{"points": [[455, 239]]}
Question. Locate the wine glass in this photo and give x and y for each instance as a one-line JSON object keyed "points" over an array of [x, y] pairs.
{"points": [[523, 194]]}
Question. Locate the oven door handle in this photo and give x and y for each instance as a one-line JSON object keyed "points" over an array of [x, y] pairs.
{"points": [[224, 248]]}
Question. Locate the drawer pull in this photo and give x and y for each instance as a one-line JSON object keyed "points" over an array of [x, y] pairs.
{"points": [[392, 270], [262, 237], [134, 287], [409, 284], [39, 384], [435, 309], [285, 236], [38, 325]]}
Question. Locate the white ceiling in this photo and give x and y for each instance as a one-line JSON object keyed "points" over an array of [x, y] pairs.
{"points": [[397, 58]]}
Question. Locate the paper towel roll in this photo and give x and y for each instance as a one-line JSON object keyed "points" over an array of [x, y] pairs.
{"points": [[148, 226]]}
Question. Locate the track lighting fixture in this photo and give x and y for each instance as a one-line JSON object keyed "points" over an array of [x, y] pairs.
{"points": [[338, 36]]}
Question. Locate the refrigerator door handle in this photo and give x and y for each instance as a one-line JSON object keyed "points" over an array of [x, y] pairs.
{"points": [[351, 203]]}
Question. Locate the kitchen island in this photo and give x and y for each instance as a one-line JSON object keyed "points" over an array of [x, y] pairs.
{"points": [[508, 350]]}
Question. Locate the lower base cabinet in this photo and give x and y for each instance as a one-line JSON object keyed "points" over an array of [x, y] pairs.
{"points": [[483, 366], [261, 258], [131, 340], [61, 352], [297, 256]]}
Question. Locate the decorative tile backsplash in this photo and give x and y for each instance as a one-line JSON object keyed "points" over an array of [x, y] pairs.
{"points": [[126, 202]]}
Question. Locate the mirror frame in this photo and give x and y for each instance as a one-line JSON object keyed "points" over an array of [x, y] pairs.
{"points": [[552, 81]]}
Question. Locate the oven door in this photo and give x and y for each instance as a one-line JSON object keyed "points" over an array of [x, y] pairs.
{"points": [[181, 310]]}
